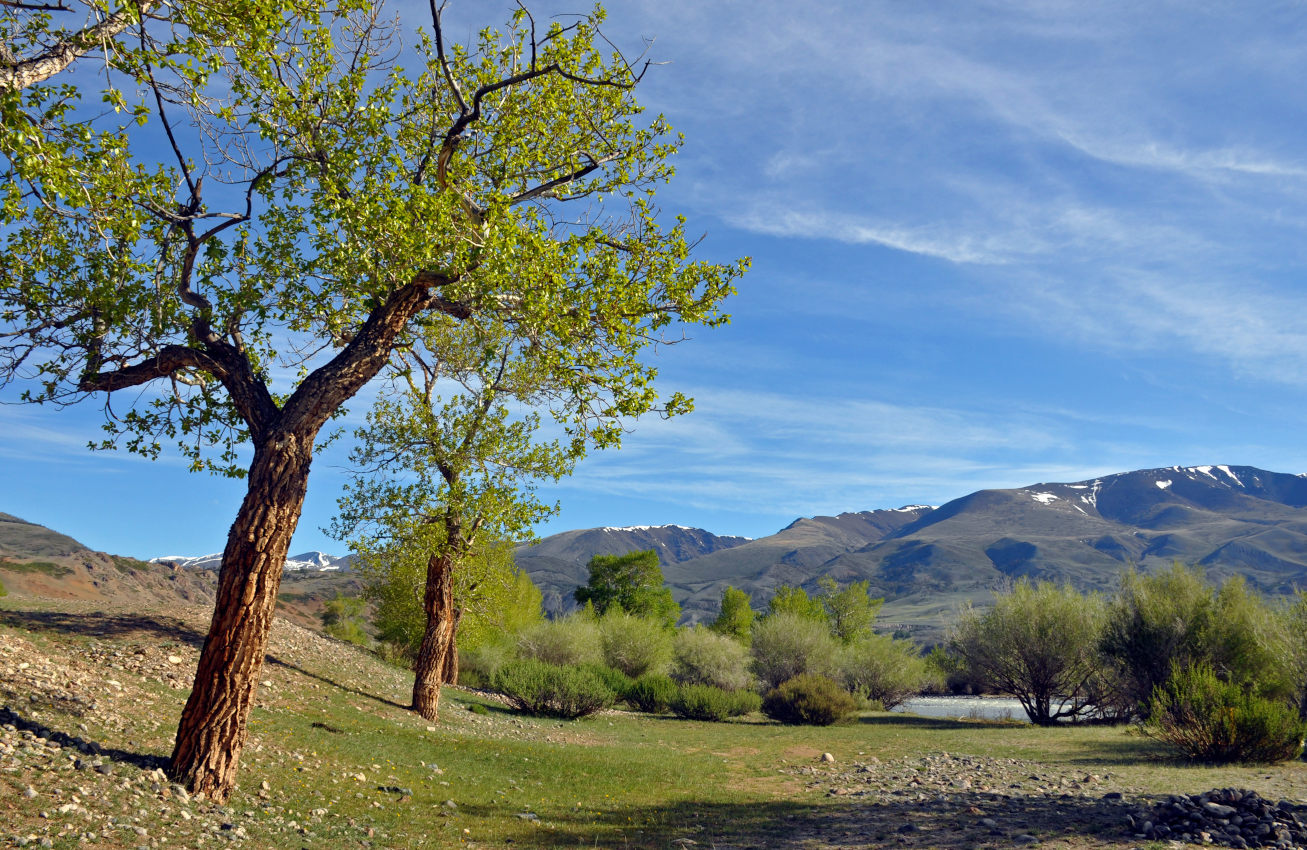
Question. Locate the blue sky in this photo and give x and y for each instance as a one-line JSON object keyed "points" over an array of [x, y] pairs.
{"points": [[993, 244]]}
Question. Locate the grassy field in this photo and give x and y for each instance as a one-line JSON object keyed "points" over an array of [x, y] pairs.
{"points": [[334, 760]]}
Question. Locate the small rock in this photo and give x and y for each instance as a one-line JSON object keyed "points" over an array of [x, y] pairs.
{"points": [[828, 758], [450, 804]]}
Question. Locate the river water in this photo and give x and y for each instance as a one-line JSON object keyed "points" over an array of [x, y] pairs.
{"points": [[974, 708]]}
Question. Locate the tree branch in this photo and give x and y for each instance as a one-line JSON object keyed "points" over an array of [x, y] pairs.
{"points": [[26, 72]]}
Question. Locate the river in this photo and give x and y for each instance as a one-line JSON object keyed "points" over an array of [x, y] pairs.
{"points": [[974, 708]]}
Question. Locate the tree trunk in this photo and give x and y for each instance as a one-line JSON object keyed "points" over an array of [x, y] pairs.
{"points": [[214, 722], [438, 639], [450, 674]]}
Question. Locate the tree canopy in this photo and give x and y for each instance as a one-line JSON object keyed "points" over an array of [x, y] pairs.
{"points": [[234, 225], [633, 583], [735, 619]]}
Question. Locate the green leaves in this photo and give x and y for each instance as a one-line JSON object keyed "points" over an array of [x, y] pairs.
{"points": [[251, 182]]}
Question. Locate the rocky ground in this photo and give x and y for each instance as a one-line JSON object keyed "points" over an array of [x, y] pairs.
{"points": [[960, 801]]}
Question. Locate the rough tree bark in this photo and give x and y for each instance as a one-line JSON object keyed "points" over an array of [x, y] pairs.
{"points": [[214, 723], [438, 637], [450, 674]]}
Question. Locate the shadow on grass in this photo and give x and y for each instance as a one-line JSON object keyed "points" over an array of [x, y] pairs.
{"points": [[145, 761], [1127, 750], [882, 822], [916, 721], [124, 627]]}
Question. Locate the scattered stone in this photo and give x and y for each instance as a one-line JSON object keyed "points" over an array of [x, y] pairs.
{"points": [[827, 758]]}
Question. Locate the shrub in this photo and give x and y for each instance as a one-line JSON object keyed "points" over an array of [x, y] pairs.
{"points": [[950, 675], [704, 657], [786, 644], [3, 592], [617, 681], [634, 645], [350, 631], [652, 693], [1209, 720], [478, 665], [570, 641], [546, 690], [1175, 619], [808, 699], [881, 669], [704, 702], [1038, 643]]}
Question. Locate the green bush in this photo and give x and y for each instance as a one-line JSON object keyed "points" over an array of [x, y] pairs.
{"points": [[704, 702], [478, 665], [570, 641], [808, 699], [704, 657], [881, 669], [1209, 720], [652, 693], [3, 592], [786, 644], [617, 681], [45, 567], [1175, 619], [547, 690], [634, 645], [1037, 643]]}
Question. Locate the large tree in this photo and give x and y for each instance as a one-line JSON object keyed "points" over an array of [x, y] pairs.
{"points": [[293, 209]]}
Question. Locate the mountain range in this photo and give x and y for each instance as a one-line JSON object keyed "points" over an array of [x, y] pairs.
{"points": [[924, 560], [313, 561]]}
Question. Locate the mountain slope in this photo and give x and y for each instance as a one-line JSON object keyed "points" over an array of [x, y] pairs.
{"points": [[1228, 519], [925, 561]]}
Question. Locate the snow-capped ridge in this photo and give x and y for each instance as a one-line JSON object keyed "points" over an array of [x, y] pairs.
{"points": [[313, 561]]}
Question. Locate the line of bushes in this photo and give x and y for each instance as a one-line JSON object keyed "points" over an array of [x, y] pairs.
{"points": [[1218, 673], [808, 660]]}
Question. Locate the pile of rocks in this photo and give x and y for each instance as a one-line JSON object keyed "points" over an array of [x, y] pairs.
{"points": [[1230, 816]]}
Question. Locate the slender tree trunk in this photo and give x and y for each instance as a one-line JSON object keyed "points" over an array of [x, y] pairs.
{"points": [[438, 639], [214, 723]]}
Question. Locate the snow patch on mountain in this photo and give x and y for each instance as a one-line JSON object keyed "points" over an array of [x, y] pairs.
{"points": [[304, 562]]}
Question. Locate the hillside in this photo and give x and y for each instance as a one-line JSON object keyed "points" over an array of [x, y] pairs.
{"points": [[925, 561], [40, 563]]}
